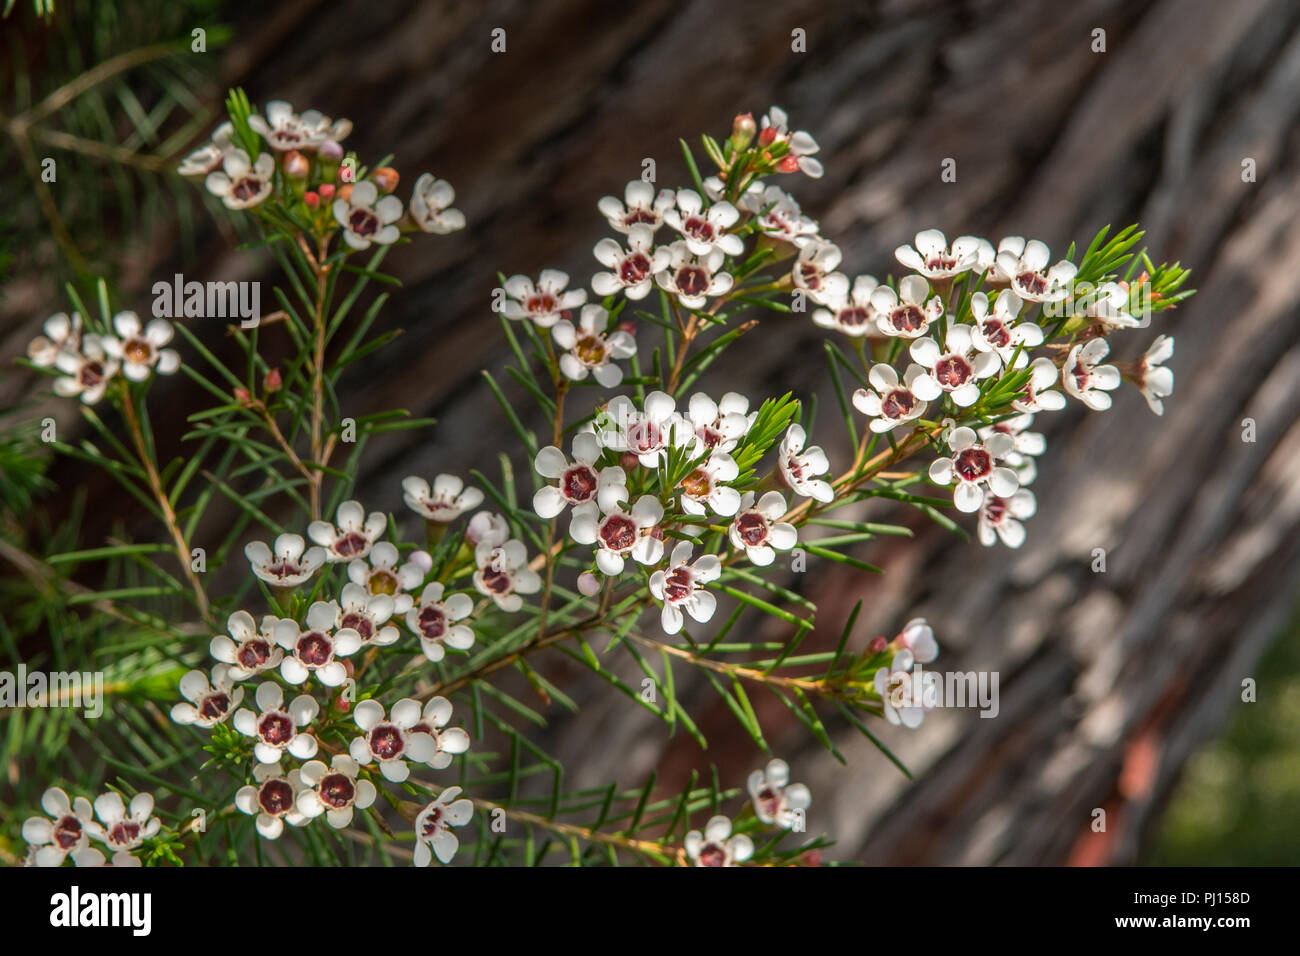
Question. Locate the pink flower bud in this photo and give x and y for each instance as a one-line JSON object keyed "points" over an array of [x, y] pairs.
{"points": [[742, 131], [311, 199], [273, 381], [588, 584], [422, 560], [386, 178], [877, 645], [326, 190], [296, 165], [330, 151]]}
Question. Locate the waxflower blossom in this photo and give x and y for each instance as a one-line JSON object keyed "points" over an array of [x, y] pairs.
{"points": [[903, 701], [889, 402], [775, 128], [241, 183], [275, 728], [933, 258], [430, 206], [433, 621], [632, 270], [1038, 395], [704, 230], [353, 536], [620, 534], [1025, 263], [1154, 380], [247, 651], [956, 371], [716, 846], [316, 649], [975, 468], [906, 313], [446, 501], [1110, 309], [544, 302], [449, 741], [705, 487], [694, 278], [65, 834], [284, 129], [1026, 445], [367, 614], [487, 526], [382, 575], [288, 565], [998, 332], [140, 348], [123, 828], [777, 801], [801, 467], [590, 349], [367, 218], [720, 425], [577, 482], [641, 206], [207, 703], [681, 587], [61, 333], [1086, 379], [814, 271], [778, 215], [210, 155], [852, 314], [86, 373], [917, 637], [503, 574], [758, 529], [392, 741], [1000, 518], [433, 827], [272, 799], [646, 433], [334, 791]]}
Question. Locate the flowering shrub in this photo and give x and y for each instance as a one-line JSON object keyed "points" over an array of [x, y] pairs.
{"points": [[357, 676]]}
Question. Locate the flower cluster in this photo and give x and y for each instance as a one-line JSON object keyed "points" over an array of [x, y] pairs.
{"points": [[71, 825], [87, 362]]}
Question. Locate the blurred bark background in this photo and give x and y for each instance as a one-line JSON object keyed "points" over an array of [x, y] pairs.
{"points": [[1109, 681]]}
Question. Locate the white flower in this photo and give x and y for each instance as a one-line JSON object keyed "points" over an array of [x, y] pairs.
{"points": [[449, 741], [813, 272], [777, 214], [487, 526], [391, 742], [577, 482], [241, 183], [589, 349], [275, 728], [446, 501], [433, 825], [903, 703], [643, 207], [934, 260], [430, 206], [66, 833], [989, 263], [123, 828], [890, 403], [852, 314], [693, 279], [334, 790], [800, 468], [1086, 379], [1025, 263], [705, 487], [367, 218], [751, 202], [975, 469], [1110, 309], [646, 434], [1155, 381], [775, 128], [759, 530], [382, 575], [906, 313], [316, 649], [140, 349], [998, 332], [621, 533], [1001, 517], [85, 373], [716, 846], [434, 619], [918, 638], [681, 587], [545, 302], [719, 426], [632, 269], [288, 566], [61, 334], [366, 613], [207, 703], [246, 651], [776, 800], [273, 799], [354, 536], [702, 229], [985, 266], [1036, 397], [955, 371], [284, 129], [1026, 445], [503, 574], [210, 155]]}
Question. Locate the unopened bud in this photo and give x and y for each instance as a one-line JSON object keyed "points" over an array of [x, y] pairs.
{"points": [[311, 199], [878, 645], [330, 151], [629, 461], [588, 584], [296, 165], [788, 164], [385, 177], [345, 192], [766, 135], [628, 326], [422, 560], [273, 381], [326, 190], [743, 129], [242, 396]]}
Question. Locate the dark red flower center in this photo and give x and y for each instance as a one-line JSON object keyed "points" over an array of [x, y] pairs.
{"points": [[214, 706], [634, 268], [359, 623], [91, 374], [67, 832], [124, 833], [363, 222], [315, 649], [752, 528], [973, 463], [897, 403], [692, 280], [698, 227], [713, 855], [1032, 282], [337, 790], [618, 533], [275, 728], [996, 333], [907, 318], [253, 653], [351, 543], [432, 622], [246, 189], [952, 371], [853, 317], [276, 797], [579, 483], [995, 509], [542, 303], [678, 584], [386, 741]]}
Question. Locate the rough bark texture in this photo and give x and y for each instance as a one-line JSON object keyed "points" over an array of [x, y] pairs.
{"points": [[1108, 680]]}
